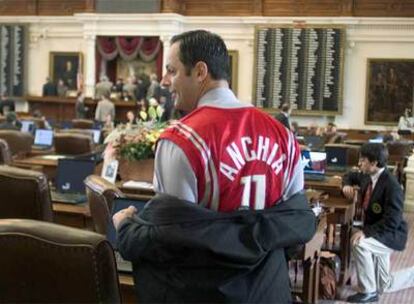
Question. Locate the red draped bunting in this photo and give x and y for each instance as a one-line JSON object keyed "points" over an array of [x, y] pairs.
{"points": [[129, 48]]}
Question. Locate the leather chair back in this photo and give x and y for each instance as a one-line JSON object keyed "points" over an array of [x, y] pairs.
{"points": [[101, 194], [20, 143], [49, 263], [5, 154], [24, 194], [82, 123], [73, 143]]}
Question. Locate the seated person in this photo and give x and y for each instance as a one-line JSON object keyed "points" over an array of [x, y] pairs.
{"points": [[384, 228], [330, 133], [131, 120], [11, 122], [406, 121], [38, 114]]}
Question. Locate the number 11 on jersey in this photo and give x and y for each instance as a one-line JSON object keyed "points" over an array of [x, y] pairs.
{"points": [[259, 184]]}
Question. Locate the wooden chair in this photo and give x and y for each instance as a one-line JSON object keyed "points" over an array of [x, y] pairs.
{"points": [[101, 194], [48, 263]]}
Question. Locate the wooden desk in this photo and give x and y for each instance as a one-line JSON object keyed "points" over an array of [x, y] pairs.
{"points": [[77, 216], [358, 142], [127, 288], [331, 185], [63, 109], [38, 163]]}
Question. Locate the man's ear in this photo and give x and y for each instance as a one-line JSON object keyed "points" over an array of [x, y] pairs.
{"points": [[201, 71]]}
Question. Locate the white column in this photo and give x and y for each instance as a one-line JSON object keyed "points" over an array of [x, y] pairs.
{"points": [[165, 40], [409, 190], [90, 67]]}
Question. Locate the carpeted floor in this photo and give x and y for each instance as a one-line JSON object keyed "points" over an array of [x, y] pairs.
{"points": [[399, 260]]}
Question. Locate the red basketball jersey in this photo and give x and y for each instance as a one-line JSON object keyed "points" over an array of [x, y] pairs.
{"points": [[241, 157]]}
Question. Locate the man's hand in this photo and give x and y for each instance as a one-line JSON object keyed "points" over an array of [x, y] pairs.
{"points": [[348, 191], [123, 214], [357, 237]]}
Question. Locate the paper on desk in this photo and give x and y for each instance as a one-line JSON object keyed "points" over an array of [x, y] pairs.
{"points": [[53, 157], [138, 185]]}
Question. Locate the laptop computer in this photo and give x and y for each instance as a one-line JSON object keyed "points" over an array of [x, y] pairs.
{"points": [[96, 135], [43, 139], [314, 142], [70, 175], [27, 126], [314, 165], [117, 205], [336, 158]]}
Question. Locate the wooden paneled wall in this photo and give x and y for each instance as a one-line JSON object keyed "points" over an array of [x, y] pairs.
{"points": [[357, 8]]}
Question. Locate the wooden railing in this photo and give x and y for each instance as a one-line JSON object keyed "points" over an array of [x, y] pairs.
{"points": [[356, 8]]}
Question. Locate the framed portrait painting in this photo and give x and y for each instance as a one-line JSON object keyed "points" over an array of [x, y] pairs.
{"points": [[389, 90], [234, 63], [65, 66]]}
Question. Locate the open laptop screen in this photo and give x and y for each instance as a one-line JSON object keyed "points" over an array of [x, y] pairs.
{"points": [[314, 162], [71, 173], [315, 143], [336, 156], [96, 135], [43, 137], [27, 126]]}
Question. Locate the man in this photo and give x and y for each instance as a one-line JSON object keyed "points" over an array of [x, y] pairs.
{"points": [[103, 87], [49, 88], [284, 114], [105, 109], [223, 156], [11, 122], [384, 228]]}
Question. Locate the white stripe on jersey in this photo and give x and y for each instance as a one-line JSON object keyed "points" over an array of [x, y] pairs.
{"points": [[211, 183]]}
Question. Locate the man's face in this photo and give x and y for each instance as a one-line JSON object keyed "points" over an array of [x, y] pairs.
{"points": [[186, 87], [366, 166]]}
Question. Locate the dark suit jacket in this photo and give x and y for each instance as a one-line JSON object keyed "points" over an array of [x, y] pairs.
{"points": [[185, 253], [49, 89], [283, 119], [384, 216]]}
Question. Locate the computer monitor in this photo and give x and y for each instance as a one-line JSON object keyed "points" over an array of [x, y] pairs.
{"points": [[376, 140], [336, 156], [313, 162], [71, 173], [96, 135], [43, 137], [314, 142], [27, 126]]}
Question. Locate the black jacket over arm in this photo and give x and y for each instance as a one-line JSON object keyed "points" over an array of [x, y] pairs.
{"points": [[384, 216], [283, 119], [182, 252]]}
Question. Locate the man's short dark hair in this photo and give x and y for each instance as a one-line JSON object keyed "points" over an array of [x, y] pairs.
{"points": [[285, 107], [375, 152], [204, 46]]}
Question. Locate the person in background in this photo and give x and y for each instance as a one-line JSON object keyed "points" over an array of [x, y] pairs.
{"points": [[105, 109], [38, 114], [80, 108], [6, 104], [119, 87], [384, 228], [62, 89], [284, 114], [154, 88], [223, 156], [143, 106], [295, 128], [103, 87], [406, 121], [11, 122], [49, 88], [330, 133], [129, 89], [131, 119]]}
